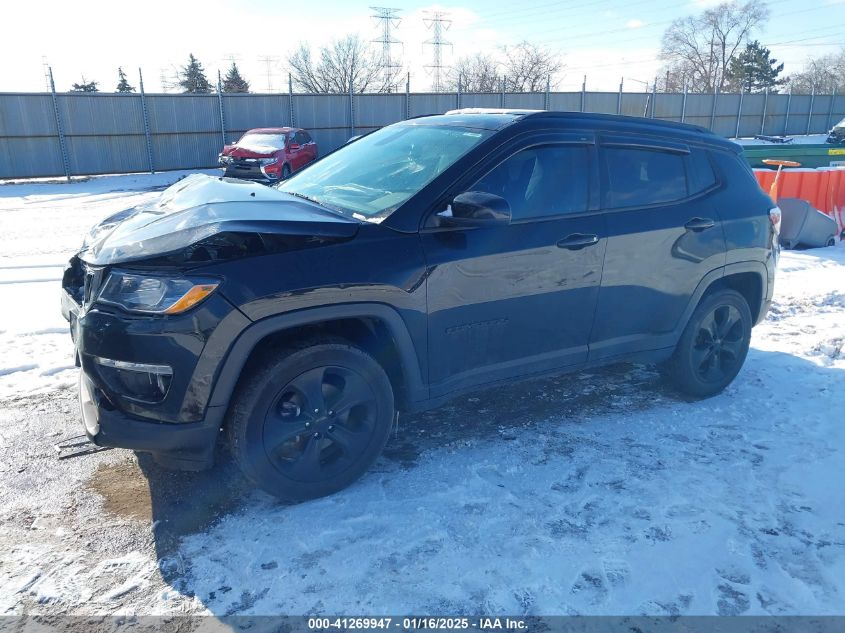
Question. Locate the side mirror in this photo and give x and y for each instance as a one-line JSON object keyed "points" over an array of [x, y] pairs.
{"points": [[477, 208], [293, 146]]}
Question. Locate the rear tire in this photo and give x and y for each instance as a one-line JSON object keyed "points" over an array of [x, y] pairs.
{"points": [[713, 346], [309, 420]]}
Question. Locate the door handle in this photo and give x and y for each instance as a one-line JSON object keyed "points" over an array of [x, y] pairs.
{"points": [[700, 224], [577, 241]]}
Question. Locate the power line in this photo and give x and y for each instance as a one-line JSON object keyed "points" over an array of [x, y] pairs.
{"points": [[388, 18], [438, 22]]}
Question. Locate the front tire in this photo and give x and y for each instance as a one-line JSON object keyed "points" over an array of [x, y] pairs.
{"points": [[309, 420], [286, 172], [713, 346]]}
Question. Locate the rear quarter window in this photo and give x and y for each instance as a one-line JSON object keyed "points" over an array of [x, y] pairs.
{"points": [[700, 171]]}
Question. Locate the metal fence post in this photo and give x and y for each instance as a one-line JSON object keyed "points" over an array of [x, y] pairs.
{"points": [[619, 97], [290, 102], [684, 105], [502, 100], [547, 101], [220, 104], [653, 96], [458, 94], [584, 94], [810, 115], [351, 108], [739, 111], [713, 112], [408, 96], [786, 119], [147, 136], [830, 111], [59, 130], [765, 110]]}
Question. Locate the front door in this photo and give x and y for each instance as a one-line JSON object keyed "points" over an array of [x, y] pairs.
{"points": [[518, 299]]}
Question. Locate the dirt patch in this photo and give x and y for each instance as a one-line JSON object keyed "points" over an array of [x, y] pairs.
{"points": [[124, 489]]}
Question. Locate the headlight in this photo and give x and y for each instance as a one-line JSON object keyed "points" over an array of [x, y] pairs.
{"points": [[156, 295], [224, 160], [268, 161]]}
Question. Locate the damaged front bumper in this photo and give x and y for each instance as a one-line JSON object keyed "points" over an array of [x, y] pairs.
{"points": [[114, 350], [185, 446]]}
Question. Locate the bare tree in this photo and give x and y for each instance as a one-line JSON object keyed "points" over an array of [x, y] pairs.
{"points": [[824, 74], [346, 62], [476, 73], [528, 67], [698, 50]]}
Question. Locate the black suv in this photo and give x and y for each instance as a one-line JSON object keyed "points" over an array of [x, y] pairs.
{"points": [[431, 257]]}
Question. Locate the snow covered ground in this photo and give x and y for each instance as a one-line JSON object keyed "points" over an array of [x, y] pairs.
{"points": [[600, 492]]}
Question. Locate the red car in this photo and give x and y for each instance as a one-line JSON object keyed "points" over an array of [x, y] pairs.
{"points": [[268, 154]]}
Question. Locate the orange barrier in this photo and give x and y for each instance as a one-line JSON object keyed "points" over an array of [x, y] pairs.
{"points": [[824, 188]]}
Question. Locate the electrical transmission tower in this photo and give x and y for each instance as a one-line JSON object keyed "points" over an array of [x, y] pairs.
{"points": [[437, 22], [388, 18], [269, 61]]}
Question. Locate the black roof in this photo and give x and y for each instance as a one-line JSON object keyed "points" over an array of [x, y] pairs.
{"points": [[498, 118]]}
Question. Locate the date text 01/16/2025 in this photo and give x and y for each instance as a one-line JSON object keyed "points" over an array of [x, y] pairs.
{"points": [[413, 623]]}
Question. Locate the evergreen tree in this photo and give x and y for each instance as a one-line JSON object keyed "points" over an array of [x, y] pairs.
{"points": [[754, 69], [233, 82], [85, 86], [123, 84], [192, 77]]}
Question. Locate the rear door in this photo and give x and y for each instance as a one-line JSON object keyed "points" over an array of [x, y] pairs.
{"points": [[511, 300], [664, 236]]}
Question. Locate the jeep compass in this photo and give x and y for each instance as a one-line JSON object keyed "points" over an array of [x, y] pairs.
{"points": [[432, 257]]}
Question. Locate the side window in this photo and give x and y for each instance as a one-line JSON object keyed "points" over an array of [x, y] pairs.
{"points": [[639, 177], [541, 181], [304, 138], [700, 171]]}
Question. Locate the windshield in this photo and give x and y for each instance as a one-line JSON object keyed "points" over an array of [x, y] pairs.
{"points": [[262, 141], [374, 175]]}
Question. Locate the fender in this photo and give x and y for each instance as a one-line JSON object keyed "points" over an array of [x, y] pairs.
{"points": [[243, 346], [756, 267]]}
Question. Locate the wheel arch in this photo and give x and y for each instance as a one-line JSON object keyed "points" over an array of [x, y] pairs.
{"points": [[748, 278], [376, 328]]}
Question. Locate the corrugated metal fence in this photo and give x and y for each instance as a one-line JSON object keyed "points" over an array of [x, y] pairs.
{"points": [[119, 133]]}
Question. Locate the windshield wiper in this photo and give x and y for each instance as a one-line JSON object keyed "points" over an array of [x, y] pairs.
{"points": [[334, 210]]}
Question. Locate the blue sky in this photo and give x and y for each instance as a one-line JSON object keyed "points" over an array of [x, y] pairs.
{"points": [[604, 39]]}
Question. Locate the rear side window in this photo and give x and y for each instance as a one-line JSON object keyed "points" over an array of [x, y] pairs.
{"points": [[639, 177], [541, 181], [699, 171]]}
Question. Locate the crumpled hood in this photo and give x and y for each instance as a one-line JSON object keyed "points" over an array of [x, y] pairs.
{"points": [[199, 207]]}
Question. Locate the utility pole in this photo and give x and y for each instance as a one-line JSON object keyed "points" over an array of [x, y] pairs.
{"points": [[46, 66], [388, 18], [269, 60], [438, 22]]}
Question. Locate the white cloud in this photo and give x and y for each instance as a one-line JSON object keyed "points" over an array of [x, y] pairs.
{"points": [[634, 24]]}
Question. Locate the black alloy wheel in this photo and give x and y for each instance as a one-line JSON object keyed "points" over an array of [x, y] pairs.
{"points": [[308, 420]]}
